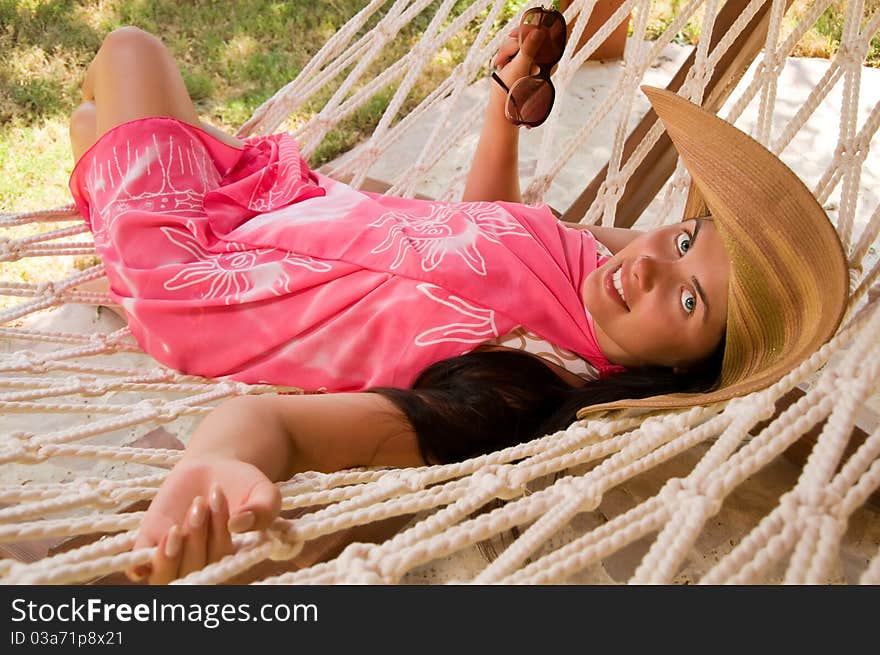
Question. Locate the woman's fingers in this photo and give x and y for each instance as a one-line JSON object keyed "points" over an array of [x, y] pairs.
{"points": [[141, 571], [532, 43], [193, 512], [152, 530], [506, 52], [138, 573], [219, 539], [195, 541], [259, 508], [203, 538], [510, 49], [166, 561]]}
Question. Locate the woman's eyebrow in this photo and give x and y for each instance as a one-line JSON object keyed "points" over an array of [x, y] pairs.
{"points": [[702, 297], [697, 224]]}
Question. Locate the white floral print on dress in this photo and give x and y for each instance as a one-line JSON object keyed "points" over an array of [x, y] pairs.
{"points": [[220, 275], [447, 230], [477, 324], [142, 179], [233, 274]]}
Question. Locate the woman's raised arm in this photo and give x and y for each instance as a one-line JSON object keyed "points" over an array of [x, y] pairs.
{"points": [[494, 172], [225, 481], [613, 238]]}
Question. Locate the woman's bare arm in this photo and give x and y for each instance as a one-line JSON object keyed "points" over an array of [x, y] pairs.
{"points": [[313, 432], [225, 481], [613, 238], [494, 172]]}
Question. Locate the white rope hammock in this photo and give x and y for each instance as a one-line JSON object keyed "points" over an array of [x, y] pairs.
{"points": [[649, 491]]}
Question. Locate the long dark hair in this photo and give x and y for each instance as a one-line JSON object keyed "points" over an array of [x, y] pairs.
{"points": [[487, 400]]}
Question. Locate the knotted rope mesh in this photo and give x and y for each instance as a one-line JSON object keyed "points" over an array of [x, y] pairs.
{"points": [[90, 422]]}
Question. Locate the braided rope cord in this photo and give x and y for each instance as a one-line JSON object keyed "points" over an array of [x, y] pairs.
{"points": [[77, 397]]}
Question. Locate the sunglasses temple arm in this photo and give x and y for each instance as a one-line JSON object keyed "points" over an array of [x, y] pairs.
{"points": [[510, 97], [498, 79]]}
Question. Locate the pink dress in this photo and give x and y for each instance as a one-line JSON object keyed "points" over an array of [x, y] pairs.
{"points": [[245, 263]]}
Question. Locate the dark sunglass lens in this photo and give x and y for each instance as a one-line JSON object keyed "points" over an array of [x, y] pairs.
{"points": [[532, 16], [550, 52], [530, 100], [551, 49], [558, 34]]}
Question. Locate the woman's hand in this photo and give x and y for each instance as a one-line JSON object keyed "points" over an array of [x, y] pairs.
{"points": [[513, 63], [203, 500]]}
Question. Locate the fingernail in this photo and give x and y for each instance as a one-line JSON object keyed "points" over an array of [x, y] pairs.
{"points": [[242, 522], [215, 499], [138, 573], [197, 513], [174, 542]]}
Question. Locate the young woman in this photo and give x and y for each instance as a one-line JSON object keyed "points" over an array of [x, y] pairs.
{"points": [[232, 258]]}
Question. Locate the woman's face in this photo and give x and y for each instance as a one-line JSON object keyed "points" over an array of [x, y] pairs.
{"points": [[662, 300]]}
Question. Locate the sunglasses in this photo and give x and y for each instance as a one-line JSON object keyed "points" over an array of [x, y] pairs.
{"points": [[530, 99]]}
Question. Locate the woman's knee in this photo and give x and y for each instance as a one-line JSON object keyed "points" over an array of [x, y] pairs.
{"points": [[130, 40], [125, 45], [134, 76], [124, 49]]}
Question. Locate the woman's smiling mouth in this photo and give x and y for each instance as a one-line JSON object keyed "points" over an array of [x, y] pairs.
{"points": [[614, 286]]}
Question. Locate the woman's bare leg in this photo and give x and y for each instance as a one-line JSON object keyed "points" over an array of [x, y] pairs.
{"points": [[132, 76], [83, 129]]}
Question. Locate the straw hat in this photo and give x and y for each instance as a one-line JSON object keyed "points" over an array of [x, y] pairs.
{"points": [[788, 279]]}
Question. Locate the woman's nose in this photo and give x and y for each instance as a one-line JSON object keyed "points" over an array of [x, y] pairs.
{"points": [[645, 271]]}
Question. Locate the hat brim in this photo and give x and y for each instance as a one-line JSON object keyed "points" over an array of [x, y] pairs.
{"points": [[788, 280]]}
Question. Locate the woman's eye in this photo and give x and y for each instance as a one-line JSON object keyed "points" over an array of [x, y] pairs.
{"points": [[683, 242], [688, 301]]}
